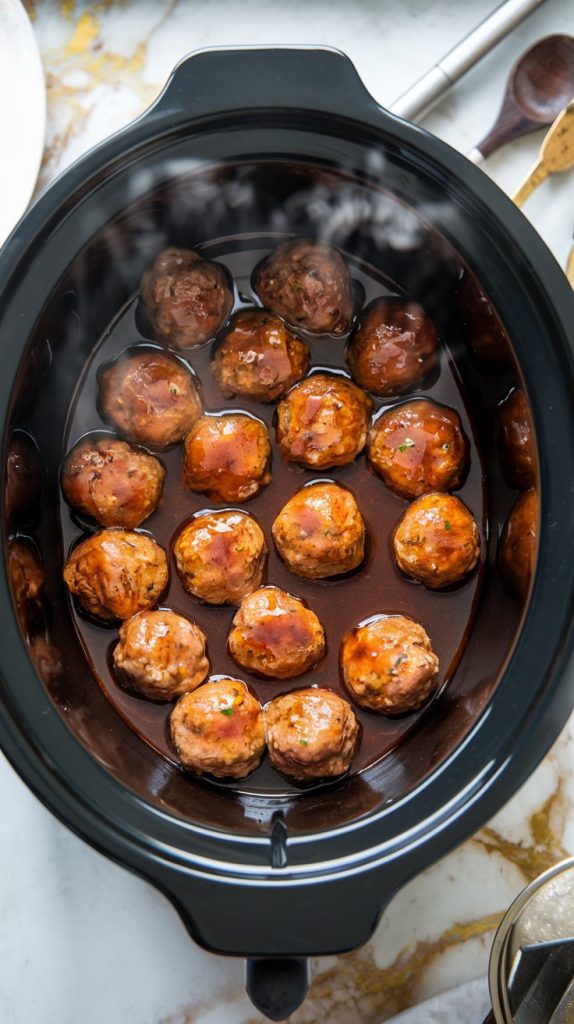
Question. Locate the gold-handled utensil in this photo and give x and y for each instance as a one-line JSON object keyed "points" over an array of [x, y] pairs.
{"points": [[556, 154], [570, 267]]}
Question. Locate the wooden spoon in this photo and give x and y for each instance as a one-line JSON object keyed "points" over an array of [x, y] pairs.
{"points": [[556, 154], [539, 86]]}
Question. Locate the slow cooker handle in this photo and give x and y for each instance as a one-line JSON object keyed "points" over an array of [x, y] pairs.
{"points": [[215, 82], [277, 987]]}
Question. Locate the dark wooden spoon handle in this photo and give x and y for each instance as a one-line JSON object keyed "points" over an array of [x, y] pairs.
{"points": [[510, 124]]}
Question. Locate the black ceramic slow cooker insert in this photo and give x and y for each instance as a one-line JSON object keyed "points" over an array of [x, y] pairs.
{"points": [[244, 149]]}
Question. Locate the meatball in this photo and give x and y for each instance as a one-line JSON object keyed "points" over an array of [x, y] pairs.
{"points": [[394, 347], [517, 451], [115, 484], [227, 457], [308, 284], [419, 447], [518, 544], [323, 422], [389, 665], [220, 556], [320, 531], [218, 729], [274, 634], [186, 298], [485, 332], [311, 734], [436, 541], [23, 480], [116, 573], [27, 580], [259, 357], [150, 397], [160, 655]]}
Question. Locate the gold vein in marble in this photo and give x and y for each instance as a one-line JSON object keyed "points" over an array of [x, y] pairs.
{"points": [[357, 991], [546, 848]]}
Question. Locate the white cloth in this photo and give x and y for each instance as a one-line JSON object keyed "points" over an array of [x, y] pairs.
{"points": [[466, 1004]]}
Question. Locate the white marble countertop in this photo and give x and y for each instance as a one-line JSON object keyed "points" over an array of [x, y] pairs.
{"points": [[82, 939]]}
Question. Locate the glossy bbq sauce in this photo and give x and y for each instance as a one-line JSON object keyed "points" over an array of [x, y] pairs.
{"points": [[376, 587]]}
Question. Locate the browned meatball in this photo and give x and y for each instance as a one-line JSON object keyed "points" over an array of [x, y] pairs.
{"points": [[160, 654], [276, 635], [27, 580], [220, 556], [389, 665], [518, 543], [320, 531], [259, 357], [436, 541], [311, 734], [323, 422], [419, 447], [517, 449], [114, 483], [486, 335], [394, 348], [116, 573], [227, 457], [187, 298], [23, 479], [309, 284], [150, 397], [218, 729]]}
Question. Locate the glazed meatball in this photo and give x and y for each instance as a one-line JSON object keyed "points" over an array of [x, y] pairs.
{"points": [[308, 284], [436, 541], [275, 635], [116, 573], [320, 531], [227, 457], [187, 299], [311, 734], [389, 665], [394, 348], [23, 480], [517, 451], [160, 655], [27, 580], [220, 556], [150, 397], [114, 483], [259, 357], [419, 447], [323, 422], [218, 729], [485, 333], [518, 543]]}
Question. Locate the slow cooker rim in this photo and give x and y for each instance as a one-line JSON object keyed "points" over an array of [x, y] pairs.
{"points": [[94, 162]]}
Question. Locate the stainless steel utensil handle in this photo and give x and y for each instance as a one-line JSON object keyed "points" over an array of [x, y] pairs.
{"points": [[423, 95]]}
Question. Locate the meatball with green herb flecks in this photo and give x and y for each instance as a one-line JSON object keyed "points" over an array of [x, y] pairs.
{"points": [[220, 556], [227, 457], [309, 285], [320, 531], [311, 734], [419, 447], [323, 422], [276, 635], [436, 541], [160, 654], [259, 357], [218, 729], [389, 665], [187, 298]]}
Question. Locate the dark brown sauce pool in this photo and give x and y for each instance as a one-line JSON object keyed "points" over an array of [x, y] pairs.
{"points": [[376, 587]]}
